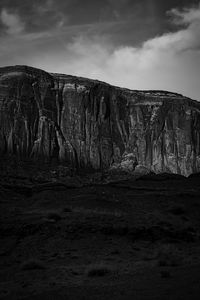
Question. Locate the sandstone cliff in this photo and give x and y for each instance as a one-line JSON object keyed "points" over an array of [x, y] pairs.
{"points": [[88, 123]]}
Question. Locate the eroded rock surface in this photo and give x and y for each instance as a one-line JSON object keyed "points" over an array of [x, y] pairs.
{"points": [[88, 123]]}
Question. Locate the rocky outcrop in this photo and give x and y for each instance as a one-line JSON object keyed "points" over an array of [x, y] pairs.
{"points": [[91, 124]]}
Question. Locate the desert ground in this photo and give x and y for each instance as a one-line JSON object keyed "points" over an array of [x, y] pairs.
{"points": [[98, 236]]}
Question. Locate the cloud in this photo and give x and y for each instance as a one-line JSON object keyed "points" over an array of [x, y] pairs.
{"points": [[186, 15], [45, 7], [50, 12], [170, 61], [12, 22]]}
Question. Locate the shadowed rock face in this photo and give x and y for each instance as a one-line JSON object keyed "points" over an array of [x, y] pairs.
{"points": [[88, 123]]}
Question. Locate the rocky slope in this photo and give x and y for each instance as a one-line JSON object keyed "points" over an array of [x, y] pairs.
{"points": [[87, 123]]}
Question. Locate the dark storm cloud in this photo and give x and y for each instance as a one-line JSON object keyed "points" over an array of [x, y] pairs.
{"points": [[36, 15], [39, 15]]}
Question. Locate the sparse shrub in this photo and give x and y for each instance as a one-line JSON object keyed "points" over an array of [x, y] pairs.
{"points": [[115, 252], [32, 264], [168, 255], [67, 209], [187, 195], [177, 210], [165, 274], [55, 216], [115, 230], [98, 270]]}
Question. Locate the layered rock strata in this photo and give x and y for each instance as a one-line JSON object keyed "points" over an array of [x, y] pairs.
{"points": [[90, 124]]}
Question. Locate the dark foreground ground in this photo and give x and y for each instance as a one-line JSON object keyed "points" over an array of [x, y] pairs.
{"points": [[126, 239]]}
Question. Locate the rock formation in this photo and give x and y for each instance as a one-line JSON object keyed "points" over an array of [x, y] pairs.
{"points": [[91, 124]]}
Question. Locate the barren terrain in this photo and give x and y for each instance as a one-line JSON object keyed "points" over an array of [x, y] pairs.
{"points": [[81, 238]]}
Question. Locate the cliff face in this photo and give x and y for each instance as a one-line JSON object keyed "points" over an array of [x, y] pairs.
{"points": [[87, 123]]}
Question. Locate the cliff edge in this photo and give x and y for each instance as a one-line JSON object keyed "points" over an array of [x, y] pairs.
{"points": [[90, 124]]}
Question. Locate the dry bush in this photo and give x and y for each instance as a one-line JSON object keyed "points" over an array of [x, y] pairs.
{"points": [[32, 264], [67, 209], [55, 216], [97, 270], [165, 274], [177, 210], [168, 255]]}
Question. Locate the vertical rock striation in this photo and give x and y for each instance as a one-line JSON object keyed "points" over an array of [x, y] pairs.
{"points": [[91, 124]]}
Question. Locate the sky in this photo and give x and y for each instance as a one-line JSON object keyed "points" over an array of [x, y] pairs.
{"points": [[138, 44]]}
